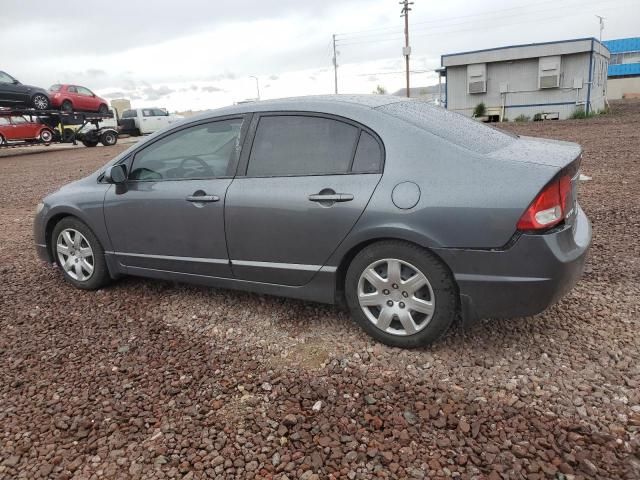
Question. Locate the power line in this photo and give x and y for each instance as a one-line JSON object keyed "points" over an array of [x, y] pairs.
{"points": [[443, 26], [441, 32]]}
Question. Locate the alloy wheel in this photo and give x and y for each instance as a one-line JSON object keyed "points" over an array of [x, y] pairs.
{"points": [[396, 297], [40, 102], [75, 254]]}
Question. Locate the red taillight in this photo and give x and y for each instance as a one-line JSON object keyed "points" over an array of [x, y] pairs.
{"points": [[550, 206]]}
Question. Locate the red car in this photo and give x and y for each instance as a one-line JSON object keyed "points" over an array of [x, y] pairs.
{"points": [[69, 98], [15, 127]]}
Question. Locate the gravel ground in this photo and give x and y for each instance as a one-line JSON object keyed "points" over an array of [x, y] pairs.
{"points": [[147, 379]]}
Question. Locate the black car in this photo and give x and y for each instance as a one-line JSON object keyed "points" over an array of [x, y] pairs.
{"points": [[15, 94]]}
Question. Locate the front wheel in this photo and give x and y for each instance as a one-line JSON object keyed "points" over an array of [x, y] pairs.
{"points": [[88, 143], [401, 294], [40, 102], [108, 138], [79, 254]]}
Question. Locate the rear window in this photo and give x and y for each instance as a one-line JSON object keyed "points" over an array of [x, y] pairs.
{"points": [[452, 127], [129, 114], [55, 88]]}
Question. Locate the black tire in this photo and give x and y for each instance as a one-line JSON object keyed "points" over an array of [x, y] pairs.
{"points": [[66, 106], [87, 143], [40, 102], [440, 279], [46, 136], [108, 139], [103, 110], [100, 276], [2, 141]]}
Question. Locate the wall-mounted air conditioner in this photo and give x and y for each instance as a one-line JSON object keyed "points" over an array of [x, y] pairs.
{"points": [[477, 78], [549, 72]]}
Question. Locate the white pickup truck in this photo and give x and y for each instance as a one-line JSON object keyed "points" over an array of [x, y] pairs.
{"points": [[141, 121]]}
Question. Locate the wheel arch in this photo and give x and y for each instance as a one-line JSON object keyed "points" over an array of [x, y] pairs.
{"points": [[351, 253]]}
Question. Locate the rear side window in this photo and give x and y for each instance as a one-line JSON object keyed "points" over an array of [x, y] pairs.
{"points": [[72, 89], [4, 121], [368, 155], [301, 145], [55, 88], [147, 112]]}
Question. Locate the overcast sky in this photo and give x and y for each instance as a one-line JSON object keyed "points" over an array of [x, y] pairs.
{"points": [[199, 54]]}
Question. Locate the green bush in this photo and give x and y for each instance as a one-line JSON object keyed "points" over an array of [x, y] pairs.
{"points": [[522, 118], [581, 114], [537, 117], [480, 110]]}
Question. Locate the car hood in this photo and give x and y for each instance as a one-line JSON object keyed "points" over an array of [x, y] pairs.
{"points": [[553, 153]]}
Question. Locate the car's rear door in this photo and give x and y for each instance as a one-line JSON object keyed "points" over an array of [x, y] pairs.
{"points": [[169, 215], [304, 184]]}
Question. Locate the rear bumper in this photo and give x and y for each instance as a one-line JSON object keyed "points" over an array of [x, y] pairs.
{"points": [[525, 279]]}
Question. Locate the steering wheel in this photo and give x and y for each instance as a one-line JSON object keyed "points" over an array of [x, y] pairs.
{"points": [[207, 169], [146, 174]]}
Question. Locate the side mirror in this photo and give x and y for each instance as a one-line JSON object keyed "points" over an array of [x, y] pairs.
{"points": [[116, 174], [16, 82]]}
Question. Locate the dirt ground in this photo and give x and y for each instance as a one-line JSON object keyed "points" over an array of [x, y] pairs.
{"points": [[148, 379]]}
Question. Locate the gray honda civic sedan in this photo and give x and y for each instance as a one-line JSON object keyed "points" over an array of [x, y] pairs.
{"points": [[409, 214]]}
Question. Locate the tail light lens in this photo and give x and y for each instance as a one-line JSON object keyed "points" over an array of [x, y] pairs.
{"points": [[550, 207]]}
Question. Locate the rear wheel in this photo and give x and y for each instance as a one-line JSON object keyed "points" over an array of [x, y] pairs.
{"points": [[46, 135], [40, 101], [88, 143], [79, 254], [66, 106], [401, 294]]}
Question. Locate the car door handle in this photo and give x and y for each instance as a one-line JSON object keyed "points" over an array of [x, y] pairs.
{"points": [[203, 198], [331, 197]]}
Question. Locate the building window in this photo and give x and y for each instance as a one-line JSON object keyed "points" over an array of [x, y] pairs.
{"points": [[549, 72], [477, 78]]}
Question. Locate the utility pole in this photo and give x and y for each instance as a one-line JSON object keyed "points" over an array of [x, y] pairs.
{"points": [[406, 51], [257, 85], [335, 66], [601, 25]]}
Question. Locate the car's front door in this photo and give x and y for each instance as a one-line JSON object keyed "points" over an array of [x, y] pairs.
{"points": [[20, 129], [299, 192], [11, 93], [169, 215], [86, 99]]}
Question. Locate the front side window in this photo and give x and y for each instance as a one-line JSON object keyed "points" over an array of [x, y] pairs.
{"points": [[147, 112], [85, 91], [5, 78], [129, 114], [201, 151], [18, 120], [159, 113], [301, 145]]}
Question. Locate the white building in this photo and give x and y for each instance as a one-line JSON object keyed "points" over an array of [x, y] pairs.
{"points": [[550, 80]]}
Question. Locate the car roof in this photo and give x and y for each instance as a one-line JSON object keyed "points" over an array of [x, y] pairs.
{"points": [[323, 103]]}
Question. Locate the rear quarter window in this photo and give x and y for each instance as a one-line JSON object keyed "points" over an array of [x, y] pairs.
{"points": [[452, 127]]}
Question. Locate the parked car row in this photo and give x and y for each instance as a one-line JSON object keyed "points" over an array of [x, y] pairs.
{"points": [[65, 97]]}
